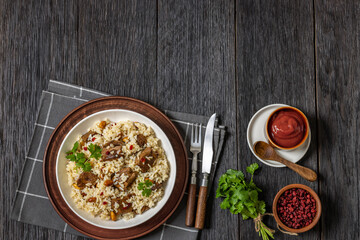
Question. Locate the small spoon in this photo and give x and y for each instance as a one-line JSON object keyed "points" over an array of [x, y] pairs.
{"points": [[266, 152]]}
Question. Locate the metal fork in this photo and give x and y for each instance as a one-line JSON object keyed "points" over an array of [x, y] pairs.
{"points": [[195, 148]]}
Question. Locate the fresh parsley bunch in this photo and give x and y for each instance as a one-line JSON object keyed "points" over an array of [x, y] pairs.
{"points": [[145, 187], [241, 197]]}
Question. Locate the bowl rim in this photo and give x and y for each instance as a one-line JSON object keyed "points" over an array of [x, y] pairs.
{"points": [[318, 208], [77, 210], [306, 133], [104, 103]]}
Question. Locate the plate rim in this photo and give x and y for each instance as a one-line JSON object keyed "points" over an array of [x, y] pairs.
{"points": [[126, 101], [248, 135]]}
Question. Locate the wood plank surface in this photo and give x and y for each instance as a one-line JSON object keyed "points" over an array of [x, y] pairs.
{"points": [[231, 57], [111, 47], [117, 47], [25, 63], [338, 74], [196, 74], [274, 64], [64, 41]]}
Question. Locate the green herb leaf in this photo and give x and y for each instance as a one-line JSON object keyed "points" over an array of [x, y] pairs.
{"points": [[95, 151], [76, 146], [146, 192], [225, 204], [74, 149], [252, 168], [148, 183], [141, 186], [145, 187], [79, 158], [253, 195], [87, 167], [71, 157]]}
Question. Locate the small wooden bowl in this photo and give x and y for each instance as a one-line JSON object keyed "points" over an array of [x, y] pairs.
{"points": [[272, 143], [318, 208]]}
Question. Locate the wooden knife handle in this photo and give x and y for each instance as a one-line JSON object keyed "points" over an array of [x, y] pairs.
{"points": [[190, 208], [201, 208]]}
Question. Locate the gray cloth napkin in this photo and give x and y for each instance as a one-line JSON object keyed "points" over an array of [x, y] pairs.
{"points": [[31, 201]]}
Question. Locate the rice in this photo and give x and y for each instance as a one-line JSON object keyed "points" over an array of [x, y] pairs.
{"points": [[99, 199]]}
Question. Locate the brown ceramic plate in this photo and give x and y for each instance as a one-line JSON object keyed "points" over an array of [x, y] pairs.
{"points": [[69, 122]]}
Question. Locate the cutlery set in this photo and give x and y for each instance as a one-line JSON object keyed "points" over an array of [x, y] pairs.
{"points": [[262, 150], [195, 148]]}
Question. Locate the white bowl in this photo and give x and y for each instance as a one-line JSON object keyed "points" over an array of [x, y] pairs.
{"points": [[256, 132], [82, 127]]}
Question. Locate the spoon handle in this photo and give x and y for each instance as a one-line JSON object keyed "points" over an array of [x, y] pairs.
{"points": [[305, 172]]}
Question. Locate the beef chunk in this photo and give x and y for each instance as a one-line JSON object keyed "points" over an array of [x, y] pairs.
{"points": [[84, 138], [156, 186], [144, 209], [111, 153], [131, 176], [114, 142], [85, 178], [141, 140], [124, 206], [147, 157]]}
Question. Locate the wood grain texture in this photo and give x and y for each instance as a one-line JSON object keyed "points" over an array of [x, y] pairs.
{"points": [[201, 208], [117, 47], [267, 152], [274, 64], [64, 41], [338, 86], [109, 46], [25, 63], [181, 55], [190, 206], [195, 62]]}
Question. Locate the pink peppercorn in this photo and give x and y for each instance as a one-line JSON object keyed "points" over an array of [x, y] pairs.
{"points": [[296, 208]]}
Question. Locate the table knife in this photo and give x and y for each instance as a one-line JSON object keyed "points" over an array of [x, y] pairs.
{"points": [[208, 153]]}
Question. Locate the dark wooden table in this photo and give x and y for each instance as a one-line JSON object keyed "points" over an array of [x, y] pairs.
{"points": [[229, 57]]}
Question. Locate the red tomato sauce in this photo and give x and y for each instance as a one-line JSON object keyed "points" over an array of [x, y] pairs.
{"points": [[287, 128]]}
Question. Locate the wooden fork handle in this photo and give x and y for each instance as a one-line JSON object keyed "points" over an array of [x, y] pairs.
{"points": [[305, 172], [190, 208]]}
